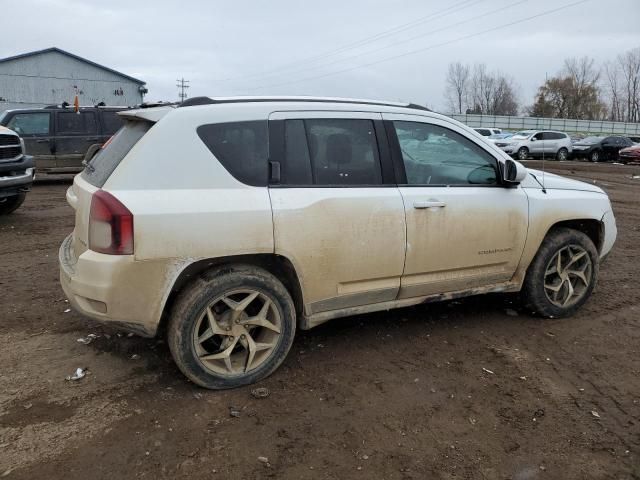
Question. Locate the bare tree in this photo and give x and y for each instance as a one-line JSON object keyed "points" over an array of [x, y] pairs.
{"points": [[613, 87], [492, 93], [622, 85], [457, 89]]}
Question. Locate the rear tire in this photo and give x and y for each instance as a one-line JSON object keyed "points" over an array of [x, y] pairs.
{"points": [[226, 314], [562, 275], [11, 204], [562, 155]]}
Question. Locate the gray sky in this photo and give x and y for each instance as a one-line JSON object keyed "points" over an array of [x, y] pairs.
{"points": [[289, 47]]}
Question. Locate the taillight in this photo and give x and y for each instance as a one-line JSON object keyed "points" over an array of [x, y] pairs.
{"points": [[110, 225]]}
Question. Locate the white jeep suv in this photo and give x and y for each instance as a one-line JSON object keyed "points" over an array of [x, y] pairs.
{"points": [[229, 223], [537, 144]]}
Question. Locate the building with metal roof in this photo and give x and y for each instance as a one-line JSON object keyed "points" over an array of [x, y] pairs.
{"points": [[52, 76]]}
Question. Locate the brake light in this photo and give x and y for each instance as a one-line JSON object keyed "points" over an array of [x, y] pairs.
{"points": [[110, 225]]}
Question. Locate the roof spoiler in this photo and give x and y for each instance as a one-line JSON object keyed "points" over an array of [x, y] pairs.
{"points": [[148, 114]]}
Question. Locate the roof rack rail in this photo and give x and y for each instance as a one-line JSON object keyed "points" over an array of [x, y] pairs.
{"points": [[195, 101]]}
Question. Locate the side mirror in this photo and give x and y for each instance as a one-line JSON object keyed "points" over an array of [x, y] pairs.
{"points": [[533, 139], [514, 172]]}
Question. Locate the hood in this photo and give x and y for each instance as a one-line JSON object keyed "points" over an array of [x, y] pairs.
{"points": [[557, 182], [633, 149], [6, 131]]}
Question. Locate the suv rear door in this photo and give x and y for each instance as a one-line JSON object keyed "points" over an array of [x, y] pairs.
{"points": [[337, 213], [75, 133], [464, 229], [35, 128]]}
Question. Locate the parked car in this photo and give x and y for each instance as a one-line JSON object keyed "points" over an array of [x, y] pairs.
{"points": [[58, 138], [286, 213], [598, 149], [536, 144], [16, 171], [630, 154], [498, 137], [634, 138], [486, 132]]}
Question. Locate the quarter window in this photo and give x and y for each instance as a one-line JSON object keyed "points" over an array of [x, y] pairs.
{"points": [[72, 123], [241, 147], [30, 123], [434, 155], [327, 152]]}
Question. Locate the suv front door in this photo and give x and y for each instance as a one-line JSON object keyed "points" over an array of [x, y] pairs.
{"points": [[35, 129], [464, 229], [75, 133], [337, 213]]}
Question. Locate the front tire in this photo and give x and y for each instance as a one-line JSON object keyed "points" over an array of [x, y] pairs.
{"points": [[562, 275], [11, 204], [232, 327], [595, 156], [523, 153]]}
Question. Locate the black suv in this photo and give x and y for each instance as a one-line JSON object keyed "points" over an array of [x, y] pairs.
{"points": [[58, 137], [598, 149]]}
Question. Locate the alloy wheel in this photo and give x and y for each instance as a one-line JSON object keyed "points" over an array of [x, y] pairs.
{"points": [[237, 332], [568, 276]]}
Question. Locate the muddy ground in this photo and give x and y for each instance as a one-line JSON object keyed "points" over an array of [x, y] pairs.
{"points": [[406, 394]]}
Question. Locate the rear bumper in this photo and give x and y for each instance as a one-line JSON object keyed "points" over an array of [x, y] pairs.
{"points": [[115, 289]]}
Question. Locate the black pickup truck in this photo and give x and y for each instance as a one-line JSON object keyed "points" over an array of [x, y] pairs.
{"points": [[58, 137], [16, 171]]}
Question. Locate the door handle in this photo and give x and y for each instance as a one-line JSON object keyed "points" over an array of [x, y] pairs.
{"points": [[429, 204]]}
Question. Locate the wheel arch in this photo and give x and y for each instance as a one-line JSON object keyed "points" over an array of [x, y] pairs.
{"points": [[278, 265], [592, 228]]}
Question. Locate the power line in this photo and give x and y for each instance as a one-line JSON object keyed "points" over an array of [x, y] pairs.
{"points": [[350, 46], [182, 86], [419, 50], [410, 39]]}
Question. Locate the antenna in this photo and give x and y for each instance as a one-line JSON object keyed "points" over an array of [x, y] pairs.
{"points": [[544, 190], [182, 86]]}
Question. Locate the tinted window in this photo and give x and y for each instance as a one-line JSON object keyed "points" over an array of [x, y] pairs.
{"points": [[72, 123], [30, 123], [111, 122], [109, 157], [241, 147], [483, 131], [434, 155], [343, 152]]}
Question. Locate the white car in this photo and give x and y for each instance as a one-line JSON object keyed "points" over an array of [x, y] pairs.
{"points": [[538, 144], [487, 132], [229, 223]]}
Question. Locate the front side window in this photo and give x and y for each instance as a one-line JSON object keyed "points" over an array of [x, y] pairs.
{"points": [[434, 155], [328, 152], [25, 124], [241, 147], [72, 123]]}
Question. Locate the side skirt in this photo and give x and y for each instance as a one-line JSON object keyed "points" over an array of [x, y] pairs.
{"points": [[309, 321]]}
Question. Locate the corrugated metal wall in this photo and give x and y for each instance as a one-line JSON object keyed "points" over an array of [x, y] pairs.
{"points": [[52, 78], [561, 124]]}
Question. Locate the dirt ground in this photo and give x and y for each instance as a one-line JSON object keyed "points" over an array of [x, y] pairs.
{"points": [[464, 389]]}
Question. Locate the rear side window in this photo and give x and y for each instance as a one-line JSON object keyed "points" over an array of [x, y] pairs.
{"points": [[25, 124], [109, 157], [111, 122], [328, 152], [241, 147], [72, 123]]}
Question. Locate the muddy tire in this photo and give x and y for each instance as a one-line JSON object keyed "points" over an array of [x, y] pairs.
{"points": [[11, 204], [562, 275], [233, 326]]}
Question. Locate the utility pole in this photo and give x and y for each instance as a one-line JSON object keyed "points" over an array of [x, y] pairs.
{"points": [[182, 87]]}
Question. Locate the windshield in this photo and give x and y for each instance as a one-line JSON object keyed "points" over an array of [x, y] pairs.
{"points": [[591, 140]]}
